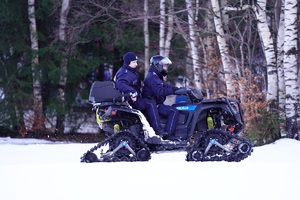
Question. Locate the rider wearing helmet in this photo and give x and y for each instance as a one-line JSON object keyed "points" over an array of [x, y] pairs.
{"points": [[160, 64], [157, 89]]}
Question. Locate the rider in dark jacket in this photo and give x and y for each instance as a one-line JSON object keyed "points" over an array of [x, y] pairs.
{"points": [[128, 82], [157, 89]]}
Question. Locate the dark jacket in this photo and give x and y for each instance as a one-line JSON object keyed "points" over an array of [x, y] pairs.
{"points": [[156, 88], [128, 80]]}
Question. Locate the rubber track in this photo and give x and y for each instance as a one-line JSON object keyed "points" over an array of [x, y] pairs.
{"points": [[234, 156], [111, 139]]}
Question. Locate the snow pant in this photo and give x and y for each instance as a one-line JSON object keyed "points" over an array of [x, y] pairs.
{"points": [[172, 114], [149, 108]]}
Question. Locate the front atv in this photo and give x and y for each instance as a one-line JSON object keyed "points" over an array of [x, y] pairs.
{"points": [[208, 130]]}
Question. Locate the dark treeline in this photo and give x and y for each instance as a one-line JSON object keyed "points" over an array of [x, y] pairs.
{"points": [[52, 50]]}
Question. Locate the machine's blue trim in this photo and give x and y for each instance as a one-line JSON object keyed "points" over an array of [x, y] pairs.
{"points": [[187, 107]]}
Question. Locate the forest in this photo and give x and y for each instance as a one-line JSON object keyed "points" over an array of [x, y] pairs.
{"points": [[246, 50]]}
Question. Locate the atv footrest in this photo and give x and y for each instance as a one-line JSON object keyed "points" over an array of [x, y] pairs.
{"points": [[174, 143]]}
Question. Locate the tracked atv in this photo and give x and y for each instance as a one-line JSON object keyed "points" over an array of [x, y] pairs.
{"points": [[208, 130]]}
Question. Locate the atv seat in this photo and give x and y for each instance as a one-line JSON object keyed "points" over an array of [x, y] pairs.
{"points": [[105, 92]]}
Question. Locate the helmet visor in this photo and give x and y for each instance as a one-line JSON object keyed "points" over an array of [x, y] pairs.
{"points": [[165, 61]]}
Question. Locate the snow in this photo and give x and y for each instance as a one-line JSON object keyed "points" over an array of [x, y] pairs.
{"points": [[42, 170]]}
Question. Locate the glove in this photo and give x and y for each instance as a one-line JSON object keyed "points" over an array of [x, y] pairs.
{"points": [[133, 94], [181, 91], [174, 89]]}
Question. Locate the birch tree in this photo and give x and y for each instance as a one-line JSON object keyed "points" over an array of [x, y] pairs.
{"points": [[60, 120], [165, 26], [170, 23], [208, 51], [146, 36], [193, 43], [268, 47], [38, 123], [162, 26], [291, 69], [280, 57], [223, 47]]}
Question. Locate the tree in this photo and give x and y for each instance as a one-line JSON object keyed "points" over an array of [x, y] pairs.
{"points": [[291, 69], [166, 26], [223, 47], [209, 55], [280, 66], [193, 43], [60, 120], [146, 36], [36, 72], [269, 50]]}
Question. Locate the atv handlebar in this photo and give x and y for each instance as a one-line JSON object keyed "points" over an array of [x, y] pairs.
{"points": [[194, 95]]}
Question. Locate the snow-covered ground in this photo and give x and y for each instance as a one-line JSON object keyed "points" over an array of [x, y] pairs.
{"points": [[40, 170]]}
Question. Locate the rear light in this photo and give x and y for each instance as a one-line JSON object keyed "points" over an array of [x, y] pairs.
{"points": [[231, 128]]}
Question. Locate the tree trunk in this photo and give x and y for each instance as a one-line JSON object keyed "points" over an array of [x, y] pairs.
{"points": [[291, 69], [205, 70], [162, 26], [146, 36], [166, 23], [268, 46], [21, 122], [169, 34], [281, 81], [209, 55], [193, 43], [60, 120], [39, 119], [223, 48]]}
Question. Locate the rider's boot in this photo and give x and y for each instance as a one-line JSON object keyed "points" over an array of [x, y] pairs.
{"points": [[156, 139], [161, 133]]}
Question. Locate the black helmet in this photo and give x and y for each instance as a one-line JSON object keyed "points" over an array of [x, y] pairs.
{"points": [[158, 61]]}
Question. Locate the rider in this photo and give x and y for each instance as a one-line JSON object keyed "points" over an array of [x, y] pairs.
{"points": [[157, 89], [128, 82]]}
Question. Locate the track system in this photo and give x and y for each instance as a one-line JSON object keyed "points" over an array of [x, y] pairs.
{"points": [[211, 145], [218, 145], [122, 146]]}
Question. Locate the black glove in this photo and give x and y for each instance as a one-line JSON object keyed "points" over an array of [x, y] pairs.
{"points": [[174, 89], [181, 91]]}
